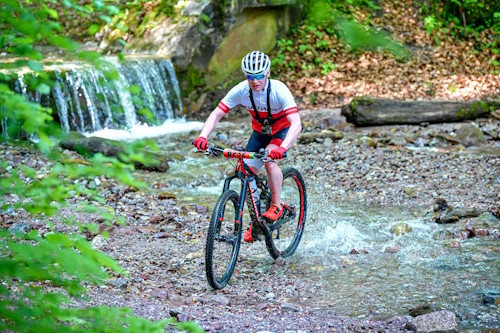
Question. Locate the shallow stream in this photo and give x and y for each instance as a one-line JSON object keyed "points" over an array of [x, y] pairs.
{"points": [[379, 283], [390, 274]]}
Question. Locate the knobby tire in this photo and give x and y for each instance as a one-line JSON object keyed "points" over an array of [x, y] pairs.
{"points": [[290, 233], [224, 235]]}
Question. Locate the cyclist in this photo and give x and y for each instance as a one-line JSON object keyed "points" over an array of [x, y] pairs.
{"points": [[275, 121]]}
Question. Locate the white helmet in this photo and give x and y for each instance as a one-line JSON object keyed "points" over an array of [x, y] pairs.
{"points": [[255, 62]]}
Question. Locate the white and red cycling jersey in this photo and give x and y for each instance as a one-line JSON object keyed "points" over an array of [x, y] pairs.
{"points": [[280, 100]]}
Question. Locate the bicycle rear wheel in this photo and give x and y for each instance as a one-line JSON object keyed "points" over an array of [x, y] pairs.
{"points": [[223, 240], [286, 232]]}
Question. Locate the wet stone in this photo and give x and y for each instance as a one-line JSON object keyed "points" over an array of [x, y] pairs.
{"points": [[119, 283], [20, 228], [491, 296], [441, 321], [420, 310], [289, 307], [401, 229]]}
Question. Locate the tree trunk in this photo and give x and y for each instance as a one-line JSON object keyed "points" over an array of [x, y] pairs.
{"points": [[366, 111], [87, 146]]}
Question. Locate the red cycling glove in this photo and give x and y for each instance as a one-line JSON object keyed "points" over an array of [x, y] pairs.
{"points": [[200, 143], [277, 154]]}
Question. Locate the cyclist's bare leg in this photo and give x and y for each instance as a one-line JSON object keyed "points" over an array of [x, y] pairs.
{"points": [[274, 178]]}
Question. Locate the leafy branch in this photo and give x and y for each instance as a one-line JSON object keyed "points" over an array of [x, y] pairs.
{"points": [[42, 275]]}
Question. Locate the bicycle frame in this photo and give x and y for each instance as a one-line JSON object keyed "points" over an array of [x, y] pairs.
{"points": [[245, 175], [258, 193]]}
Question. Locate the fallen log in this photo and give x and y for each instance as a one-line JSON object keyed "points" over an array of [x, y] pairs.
{"points": [[367, 111], [88, 146]]}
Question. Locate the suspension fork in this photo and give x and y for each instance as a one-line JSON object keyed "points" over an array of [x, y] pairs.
{"points": [[244, 187], [228, 181], [241, 202]]}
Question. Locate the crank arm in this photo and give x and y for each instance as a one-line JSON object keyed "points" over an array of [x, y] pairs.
{"points": [[276, 225]]}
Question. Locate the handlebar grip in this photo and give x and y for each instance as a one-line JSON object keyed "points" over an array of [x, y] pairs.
{"points": [[284, 154]]}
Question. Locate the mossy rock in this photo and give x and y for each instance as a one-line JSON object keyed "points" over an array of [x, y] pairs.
{"points": [[401, 229], [256, 31]]}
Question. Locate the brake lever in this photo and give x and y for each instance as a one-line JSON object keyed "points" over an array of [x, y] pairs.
{"points": [[264, 158], [211, 152]]}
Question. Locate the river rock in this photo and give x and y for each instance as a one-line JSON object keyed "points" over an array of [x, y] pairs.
{"points": [[119, 283], [491, 296], [443, 213], [420, 310], [411, 192], [306, 138], [491, 130], [400, 229], [470, 135], [332, 122], [486, 219], [392, 249], [99, 242], [289, 307], [435, 322], [20, 228], [464, 212], [193, 8]]}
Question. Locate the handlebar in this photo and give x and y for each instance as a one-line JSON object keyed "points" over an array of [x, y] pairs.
{"points": [[213, 150], [233, 153]]}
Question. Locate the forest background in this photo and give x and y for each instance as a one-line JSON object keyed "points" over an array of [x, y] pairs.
{"points": [[337, 50]]}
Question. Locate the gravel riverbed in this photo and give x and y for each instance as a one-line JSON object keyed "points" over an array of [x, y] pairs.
{"points": [[162, 245]]}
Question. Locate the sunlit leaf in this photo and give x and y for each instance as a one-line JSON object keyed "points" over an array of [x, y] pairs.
{"points": [[89, 55], [64, 43], [106, 18], [43, 88], [35, 66], [52, 12], [134, 89], [93, 29]]}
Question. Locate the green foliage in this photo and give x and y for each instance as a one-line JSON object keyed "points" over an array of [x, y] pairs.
{"points": [[431, 24], [327, 67], [31, 263], [142, 15], [358, 36], [464, 17], [27, 265], [42, 274], [284, 45], [325, 22], [193, 78]]}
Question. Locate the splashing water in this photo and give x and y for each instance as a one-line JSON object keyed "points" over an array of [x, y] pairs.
{"points": [[141, 131], [351, 262], [365, 270]]}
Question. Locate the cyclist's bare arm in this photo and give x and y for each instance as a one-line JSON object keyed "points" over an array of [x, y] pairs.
{"points": [[293, 132], [211, 122]]}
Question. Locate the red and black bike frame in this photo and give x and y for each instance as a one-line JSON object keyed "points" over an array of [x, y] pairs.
{"points": [[246, 175]]}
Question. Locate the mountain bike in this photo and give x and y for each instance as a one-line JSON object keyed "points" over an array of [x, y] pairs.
{"points": [[224, 232]]}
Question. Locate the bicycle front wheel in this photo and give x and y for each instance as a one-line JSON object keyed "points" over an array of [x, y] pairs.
{"points": [[223, 240], [286, 232]]}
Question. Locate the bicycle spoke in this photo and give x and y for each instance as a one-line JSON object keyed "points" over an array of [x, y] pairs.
{"points": [[223, 240], [285, 233]]}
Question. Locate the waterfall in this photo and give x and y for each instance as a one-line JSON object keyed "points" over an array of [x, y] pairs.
{"points": [[85, 100]]}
